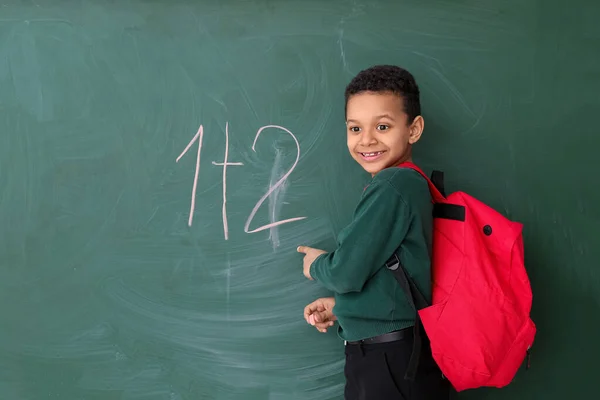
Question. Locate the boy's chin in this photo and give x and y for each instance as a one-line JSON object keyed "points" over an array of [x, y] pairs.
{"points": [[373, 168]]}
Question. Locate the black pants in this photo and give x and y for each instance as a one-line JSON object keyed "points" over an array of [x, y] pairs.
{"points": [[376, 372]]}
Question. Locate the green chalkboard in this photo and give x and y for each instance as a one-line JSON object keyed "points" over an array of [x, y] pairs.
{"points": [[161, 160]]}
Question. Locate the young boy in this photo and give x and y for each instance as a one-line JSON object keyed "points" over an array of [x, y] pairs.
{"points": [[394, 215]]}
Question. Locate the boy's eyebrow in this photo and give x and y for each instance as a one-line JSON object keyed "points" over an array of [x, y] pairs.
{"points": [[385, 116], [377, 117]]}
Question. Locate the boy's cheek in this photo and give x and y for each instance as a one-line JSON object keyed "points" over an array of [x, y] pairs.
{"points": [[350, 147]]}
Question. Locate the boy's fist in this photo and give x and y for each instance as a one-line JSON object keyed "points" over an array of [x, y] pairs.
{"points": [[319, 313], [310, 255]]}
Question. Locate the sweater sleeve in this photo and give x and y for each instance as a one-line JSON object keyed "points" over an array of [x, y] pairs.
{"points": [[379, 225]]}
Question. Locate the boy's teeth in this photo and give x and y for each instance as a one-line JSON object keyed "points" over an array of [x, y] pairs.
{"points": [[372, 154]]}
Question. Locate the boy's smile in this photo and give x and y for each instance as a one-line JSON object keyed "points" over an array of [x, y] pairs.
{"points": [[372, 156], [379, 133]]}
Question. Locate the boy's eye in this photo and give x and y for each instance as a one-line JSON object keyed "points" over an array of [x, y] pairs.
{"points": [[354, 129], [382, 127]]}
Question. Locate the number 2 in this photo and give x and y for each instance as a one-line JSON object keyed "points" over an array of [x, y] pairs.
{"points": [[274, 187]]}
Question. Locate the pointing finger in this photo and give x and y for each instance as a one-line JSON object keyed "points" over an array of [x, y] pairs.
{"points": [[302, 249]]}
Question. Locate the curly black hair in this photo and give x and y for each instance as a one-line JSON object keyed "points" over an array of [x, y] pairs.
{"points": [[388, 79]]}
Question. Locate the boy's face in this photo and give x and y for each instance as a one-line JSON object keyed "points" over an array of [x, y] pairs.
{"points": [[379, 133]]}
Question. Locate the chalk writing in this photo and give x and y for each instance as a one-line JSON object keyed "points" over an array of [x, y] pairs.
{"points": [[198, 138], [225, 164], [272, 188]]}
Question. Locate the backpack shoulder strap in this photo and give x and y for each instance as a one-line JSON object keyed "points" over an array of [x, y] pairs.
{"points": [[415, 297], [417, 301], [437, 178], [436, 184]]}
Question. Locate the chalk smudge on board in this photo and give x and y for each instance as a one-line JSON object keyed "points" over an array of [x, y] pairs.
{"points": [[275, 197]]}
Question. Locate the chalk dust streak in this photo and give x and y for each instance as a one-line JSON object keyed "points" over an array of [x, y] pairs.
{"points": [[274, 204]]}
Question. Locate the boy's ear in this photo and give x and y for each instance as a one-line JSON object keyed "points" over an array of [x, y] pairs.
{"points": [[416, 129]]}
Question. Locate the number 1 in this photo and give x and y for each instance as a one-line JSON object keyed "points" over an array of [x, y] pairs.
{"points": [[198, 137]]}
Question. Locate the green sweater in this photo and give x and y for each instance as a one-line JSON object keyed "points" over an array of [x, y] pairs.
{"points": [[393, 215]]}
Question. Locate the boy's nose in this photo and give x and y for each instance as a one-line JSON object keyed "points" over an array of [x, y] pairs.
{"points": [[367, 138]]}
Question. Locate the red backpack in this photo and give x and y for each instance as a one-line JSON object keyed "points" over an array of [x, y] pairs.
{"points": [[478, 323]]}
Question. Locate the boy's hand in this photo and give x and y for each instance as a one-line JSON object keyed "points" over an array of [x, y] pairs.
{"points": [[319, 313], [310, 256]]}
